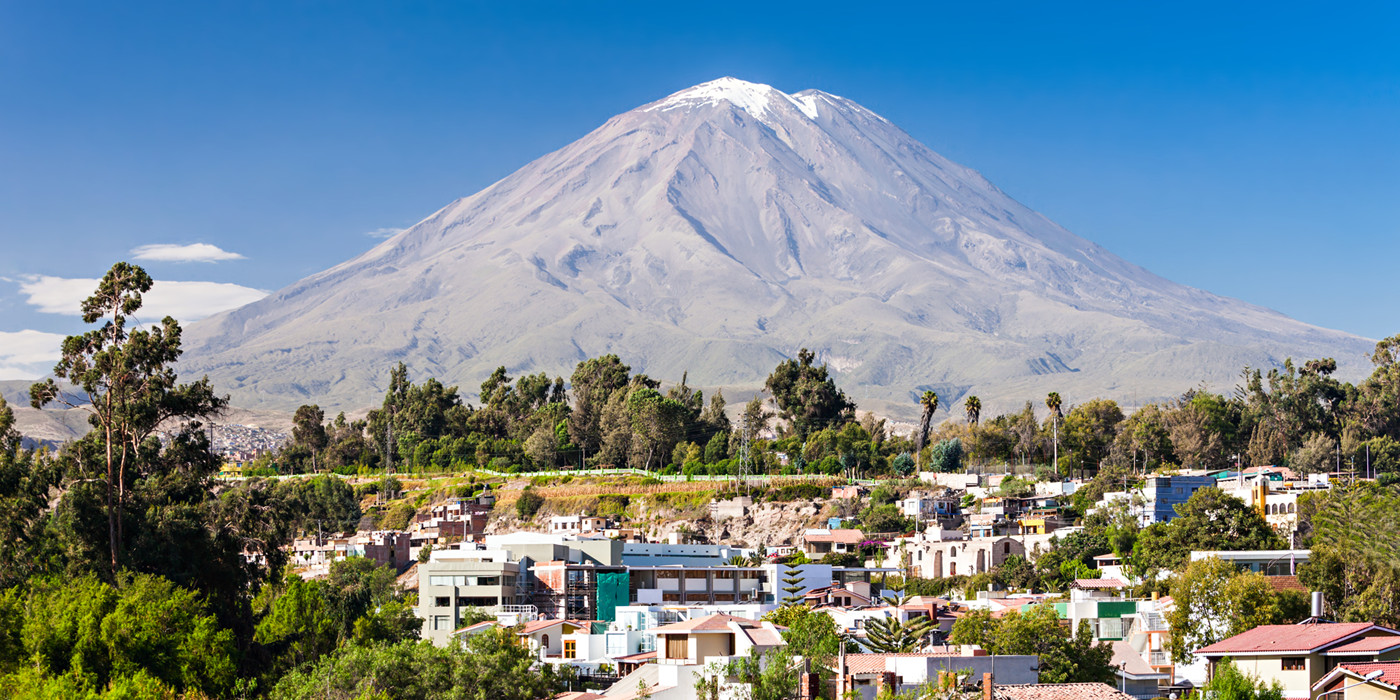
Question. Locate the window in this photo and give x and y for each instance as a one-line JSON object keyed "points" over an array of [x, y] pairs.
{"points": [[442, 601], [1295, 663], [570, 649], [676, 647]]}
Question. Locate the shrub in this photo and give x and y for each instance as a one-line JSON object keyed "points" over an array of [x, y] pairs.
{"points": [[528, 504]]}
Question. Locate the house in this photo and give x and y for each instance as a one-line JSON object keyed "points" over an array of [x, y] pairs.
{"points": [[840, 595], [820, 542], [851, 491], [865, 674], [1298, 656], [696, 641], [1135, 676], [546, 637], [696, 648], [1360, 681], [576, 524]]}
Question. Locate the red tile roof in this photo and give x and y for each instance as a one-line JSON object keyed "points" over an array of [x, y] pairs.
{"points": [[1367, 645], [637, 657], [534, 626], [1281, 639], [709, 623], [1390, 672], [1061, 691], [1099, 583]]}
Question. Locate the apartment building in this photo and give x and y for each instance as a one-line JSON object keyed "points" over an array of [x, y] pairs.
{"points": [[453, 581]]}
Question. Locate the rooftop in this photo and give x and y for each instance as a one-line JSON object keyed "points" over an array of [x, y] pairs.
{"points": [[710, 623], [1390, 672], [1280, 639], [1061, 691], [840, 536], [1094, 584]]}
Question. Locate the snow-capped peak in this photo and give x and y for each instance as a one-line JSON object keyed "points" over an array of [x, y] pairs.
{"points": [[754, 98]]}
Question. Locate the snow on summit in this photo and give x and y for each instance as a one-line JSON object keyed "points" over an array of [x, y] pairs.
{"points": [[754, 98]]}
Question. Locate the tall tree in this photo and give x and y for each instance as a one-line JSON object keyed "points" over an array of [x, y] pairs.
{"points": [[807, 396], [309, 430], [973, 406], [1053, 402], [929, 403], [129, 388]]}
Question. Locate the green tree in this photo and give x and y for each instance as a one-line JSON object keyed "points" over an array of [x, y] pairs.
{"points": [[490, 665], [309, 430], [810, 634], [1064, 658], [528, 504], [887, 635], [96, 634], [1229, 683], [1215, 601], [1089, 430], [1211, 520], [946, 456], [807, 396], [128, 389], [25, 479]]}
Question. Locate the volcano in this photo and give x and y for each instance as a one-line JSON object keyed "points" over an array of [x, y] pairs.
{"points": [[716, 232]]}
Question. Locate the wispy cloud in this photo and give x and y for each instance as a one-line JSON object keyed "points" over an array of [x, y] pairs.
{"points": [[194, 252], [28, 354], [384, 232], [186, 301]]}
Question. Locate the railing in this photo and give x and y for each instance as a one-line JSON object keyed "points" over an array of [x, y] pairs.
{"points": [[1159, 658]]}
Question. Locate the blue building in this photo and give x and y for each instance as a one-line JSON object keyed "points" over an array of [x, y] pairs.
{"points": [[1161, 495]]}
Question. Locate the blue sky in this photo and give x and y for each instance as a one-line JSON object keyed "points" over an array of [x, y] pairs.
{"points": [[1252, 151]]}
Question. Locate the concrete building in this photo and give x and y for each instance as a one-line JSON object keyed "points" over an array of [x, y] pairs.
{"points": [[1162, 494], [929, 555], [697, 585], [386, 548], [453, 581], [664, 554]]}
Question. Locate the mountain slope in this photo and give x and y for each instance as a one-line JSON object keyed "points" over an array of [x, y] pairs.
{"points": [[719, 230]]}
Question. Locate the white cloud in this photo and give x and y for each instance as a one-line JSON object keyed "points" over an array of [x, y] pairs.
{"points": [[28, 354], [384, 232], [194, 252], [186, 301]]}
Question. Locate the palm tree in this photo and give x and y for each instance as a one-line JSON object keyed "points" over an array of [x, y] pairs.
{"points": [[973, 406], [930, 403], [1052, 401]]}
